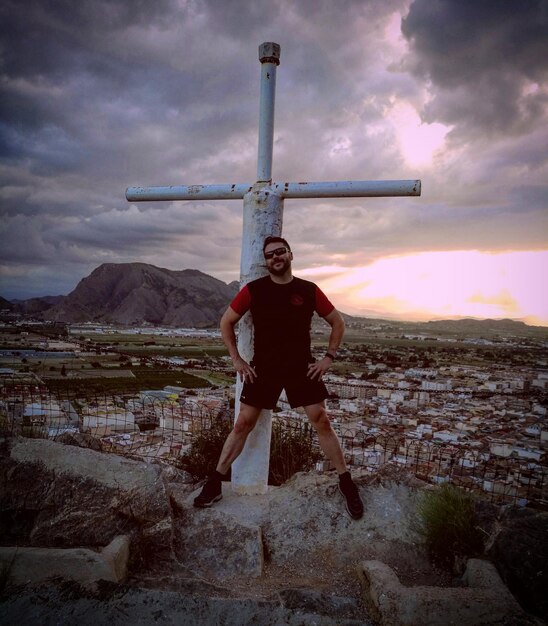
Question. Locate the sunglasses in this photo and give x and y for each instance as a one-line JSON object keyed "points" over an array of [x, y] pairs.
{"points": [[277, 252]]}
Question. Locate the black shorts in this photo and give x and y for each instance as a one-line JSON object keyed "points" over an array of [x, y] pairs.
{"points": [[264, 392]]}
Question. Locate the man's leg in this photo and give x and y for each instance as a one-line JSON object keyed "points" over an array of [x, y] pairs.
{"points": [[329, 443], [235, 442], [233, 446]]}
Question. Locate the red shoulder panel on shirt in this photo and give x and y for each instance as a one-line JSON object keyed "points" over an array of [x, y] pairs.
{"points": [[323, 304], [242, 301]]}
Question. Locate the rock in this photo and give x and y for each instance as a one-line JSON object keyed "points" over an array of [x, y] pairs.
{"points": [[294, 549], [308, 514], [128, 607], [110, 470], [215, 544], [520, 552], [86, 567], [486, 600], [301, 526], [314, 601], [63, 496], [153, 550], [116, 554]]}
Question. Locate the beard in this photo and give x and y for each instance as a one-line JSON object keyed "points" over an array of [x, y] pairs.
{"points": [[279, 271]]}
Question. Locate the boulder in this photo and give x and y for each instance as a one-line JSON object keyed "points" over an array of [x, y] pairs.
{"points": [[294, 546], [66, 497], [519, 550], [215, 543], [307, 514], [300, 527]]}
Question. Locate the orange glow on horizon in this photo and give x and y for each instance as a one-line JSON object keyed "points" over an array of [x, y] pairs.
{"points": [[433, 285]]}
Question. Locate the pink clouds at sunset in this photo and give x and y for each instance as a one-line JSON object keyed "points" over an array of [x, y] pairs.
{"points": [[448, 284]]}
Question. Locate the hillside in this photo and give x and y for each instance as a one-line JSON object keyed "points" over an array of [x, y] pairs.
{"points": [[35, 306], [133, 293], [290, 556], [5, 304]]}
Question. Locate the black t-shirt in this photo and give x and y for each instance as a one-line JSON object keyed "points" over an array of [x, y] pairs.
{"points": [[282, 314]]}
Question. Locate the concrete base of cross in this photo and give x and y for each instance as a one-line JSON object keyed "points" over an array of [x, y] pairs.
{"points": [[250, 469]]}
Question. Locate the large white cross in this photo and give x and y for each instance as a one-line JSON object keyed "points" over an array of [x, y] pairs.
{"points": [[263, 213]]}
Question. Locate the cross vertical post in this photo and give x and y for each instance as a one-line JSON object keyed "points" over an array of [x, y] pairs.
{"points": [[263, 216]]}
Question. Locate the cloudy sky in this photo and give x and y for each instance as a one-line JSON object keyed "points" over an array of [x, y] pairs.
{"points": [[105, 94]]}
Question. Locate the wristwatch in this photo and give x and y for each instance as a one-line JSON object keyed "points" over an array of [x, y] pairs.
{"points": [[331, 356]]}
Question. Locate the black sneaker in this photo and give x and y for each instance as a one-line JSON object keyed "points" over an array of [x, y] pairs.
{"points": [[354, 504], [211, 492]]}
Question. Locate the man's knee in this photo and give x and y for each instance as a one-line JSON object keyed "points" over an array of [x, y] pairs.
{"points": [[245, 423], [319, 419]]}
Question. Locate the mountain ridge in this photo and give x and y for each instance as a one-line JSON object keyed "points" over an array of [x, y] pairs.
{"points": [[134, 293]]}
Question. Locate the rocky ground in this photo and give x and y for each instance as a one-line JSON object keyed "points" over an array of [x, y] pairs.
{"points": [[291, 556]]}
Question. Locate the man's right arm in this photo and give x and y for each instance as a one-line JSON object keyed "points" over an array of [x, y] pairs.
{"points": [[228, 322]]}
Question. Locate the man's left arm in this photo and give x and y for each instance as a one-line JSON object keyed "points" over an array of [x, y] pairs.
{"points": [[335, 320]]}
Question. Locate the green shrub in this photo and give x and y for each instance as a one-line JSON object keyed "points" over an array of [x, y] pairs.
{"points": [[447, 521], [31, 431], [204, 453], [291, 451]]}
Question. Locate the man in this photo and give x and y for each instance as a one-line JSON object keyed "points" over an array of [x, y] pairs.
{"points": [[282, 307]]}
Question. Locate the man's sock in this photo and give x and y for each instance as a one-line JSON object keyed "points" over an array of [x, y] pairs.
{"points": [[345, 478], [217, 476]]}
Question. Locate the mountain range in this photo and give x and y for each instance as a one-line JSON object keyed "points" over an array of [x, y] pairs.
{"points": [[133, 293], [137, 293]]}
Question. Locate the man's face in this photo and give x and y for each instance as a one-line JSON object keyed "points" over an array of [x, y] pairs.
{"points": [[280, 262]]}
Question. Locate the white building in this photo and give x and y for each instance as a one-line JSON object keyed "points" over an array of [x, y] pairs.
{"points": [[49, 413], [436, 385], [448, 435], [104, 421]]}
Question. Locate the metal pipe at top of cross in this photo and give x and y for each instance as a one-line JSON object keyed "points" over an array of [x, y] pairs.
{"points": [[263, 216], [269, 56]]}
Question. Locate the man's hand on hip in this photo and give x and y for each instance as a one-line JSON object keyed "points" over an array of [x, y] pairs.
{"points": [[319, 368], [246, 372]]}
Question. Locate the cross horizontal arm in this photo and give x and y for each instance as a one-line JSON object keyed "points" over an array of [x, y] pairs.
{"points": [[339, 189], [187, 192], [349, 189]]}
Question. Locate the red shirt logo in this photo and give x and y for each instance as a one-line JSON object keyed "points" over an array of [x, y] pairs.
{"points": [[297, 300]]}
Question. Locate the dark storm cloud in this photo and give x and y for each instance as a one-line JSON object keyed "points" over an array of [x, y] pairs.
{"points": [[58, 36], [487, 60], [97, 96], [78, 74], [109, 88]]}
